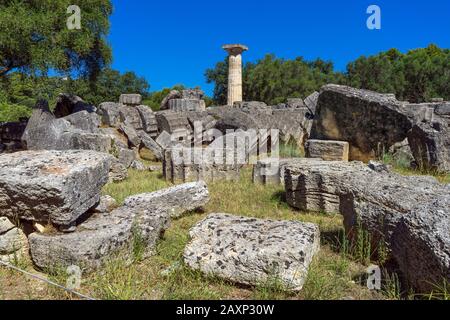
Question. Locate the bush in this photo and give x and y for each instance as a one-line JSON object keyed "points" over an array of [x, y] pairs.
{"points": [[13, 112]]}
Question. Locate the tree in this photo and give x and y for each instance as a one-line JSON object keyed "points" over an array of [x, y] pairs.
{"points": [[416, 76], [219, 76], [154, 99], [273, 80], [34, 37], [109, 85]]}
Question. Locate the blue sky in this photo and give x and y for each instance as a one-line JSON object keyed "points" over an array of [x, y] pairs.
{"points": [[172, 42]]}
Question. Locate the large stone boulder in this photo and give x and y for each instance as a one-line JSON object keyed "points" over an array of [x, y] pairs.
{"points": [[77, 131], [272, 170], [251, 251], [97, 239], [130, 99], [13, 242], [149, 123], [109, 113], [173, 201], [142, 221], [41, 115], [51, 186], [327, 150], [430, 144], [67, 104], [174, 94], [371, 122], [409, 216]]}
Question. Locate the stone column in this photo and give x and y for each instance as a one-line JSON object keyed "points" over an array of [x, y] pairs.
{"points": [[234, 72]]}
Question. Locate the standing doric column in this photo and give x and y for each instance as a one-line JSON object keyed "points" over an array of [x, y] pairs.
{"points": [[235, 72]]}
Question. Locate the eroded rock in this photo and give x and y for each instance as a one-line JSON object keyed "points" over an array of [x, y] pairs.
{"points": [[173, 201], [51, 186], [253, 251]]}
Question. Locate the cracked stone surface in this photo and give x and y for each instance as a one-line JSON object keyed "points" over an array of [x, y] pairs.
{"points": [[252, 251], [51, 186]]}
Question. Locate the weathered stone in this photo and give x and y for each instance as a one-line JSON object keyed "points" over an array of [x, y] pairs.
{"points": [[192, 94], [234, 72], [409, 215], [252, 106], [144, 218], [174, 123], [185, 164], [430, 144], [67, 104], [311, 103], [80, 140], [118, 172], [327, 150], [97, 239], [60, 134], [40, 116], [155, 168], [173, 201], [150, 125], [151, 145], [132, 134], [369, 121], [13, 245], [51, 186], [126, 156], [130, 116], [185, 105], [272, 170], [252, 251], [5, 225], [443, 110], [85, 121], [105, 205], [109, 112], [233, 118], [174, 94], [118, 140], [295, 103], [138, 165], [130, 99], [293, 125]]}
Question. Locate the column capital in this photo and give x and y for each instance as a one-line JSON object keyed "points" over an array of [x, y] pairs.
{"points": [[235, 49]]}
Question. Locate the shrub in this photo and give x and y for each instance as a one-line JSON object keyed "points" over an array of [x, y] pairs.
{"points": [[13, 112]]}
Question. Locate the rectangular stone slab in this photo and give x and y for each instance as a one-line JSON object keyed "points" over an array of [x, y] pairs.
{"points": [[253, 251], [327, 150], [51, 186], [410, 215]]}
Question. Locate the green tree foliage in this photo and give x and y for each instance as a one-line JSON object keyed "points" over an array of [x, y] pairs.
{"points": [[272, 80], [34, 37], [110, 84], [219, 76], [20, 91], [154, 99], [415, 76]]}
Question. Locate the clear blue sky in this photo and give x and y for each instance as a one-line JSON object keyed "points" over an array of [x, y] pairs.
{"points": [[172, 42]]}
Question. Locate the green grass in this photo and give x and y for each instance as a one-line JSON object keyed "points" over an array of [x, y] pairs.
{"points": [[402, 166], [164, 276], [336, 272]]}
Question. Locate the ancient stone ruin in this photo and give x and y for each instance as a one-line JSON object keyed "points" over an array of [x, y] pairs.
{"points": [[54, 165]]}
